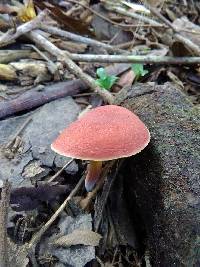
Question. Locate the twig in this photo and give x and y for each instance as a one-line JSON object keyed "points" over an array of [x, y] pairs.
{"points": [[10, 36], [59, 172], [34, 240], [36, 37], [18, 133], [34, 97], [187, 42], [79, 38], [84, 203], [135, 59], [52, 67], [109, 20], [7, 56], [124, 12], [4, 205]]}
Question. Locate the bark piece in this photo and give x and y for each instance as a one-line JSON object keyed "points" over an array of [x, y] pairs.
{"points": [[164, 178], [35, 98]]}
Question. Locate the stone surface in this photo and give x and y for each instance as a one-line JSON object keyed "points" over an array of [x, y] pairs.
{"points": [[47, 122], [163, 180], [74, 255]]}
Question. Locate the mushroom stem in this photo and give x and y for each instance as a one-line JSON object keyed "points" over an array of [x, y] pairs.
{"points": [[93, 173]]}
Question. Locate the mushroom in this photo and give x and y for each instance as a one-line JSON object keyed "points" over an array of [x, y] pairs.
{"points": [[103, 133]]}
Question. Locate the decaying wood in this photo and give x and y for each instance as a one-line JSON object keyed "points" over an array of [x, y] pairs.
{"points": [[4, 205], [34, 98]]}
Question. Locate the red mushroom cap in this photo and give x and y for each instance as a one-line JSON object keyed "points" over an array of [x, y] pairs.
{"points": [[104, 133]]}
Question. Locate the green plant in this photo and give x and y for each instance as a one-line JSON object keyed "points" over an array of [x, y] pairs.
{"points": [[139, 71], [105, 81]]}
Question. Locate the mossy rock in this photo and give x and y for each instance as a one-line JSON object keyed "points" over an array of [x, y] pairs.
{"points": [[164, 178]]}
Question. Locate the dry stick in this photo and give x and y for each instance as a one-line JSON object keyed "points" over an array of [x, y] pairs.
{"points": [[187, 42], [4, 205], [10, 37], [34, 240], [18, 132], [79, 38], [107, 19], [36, 37], [135, 59], [34, 98], [122, 11], [59, 172]]}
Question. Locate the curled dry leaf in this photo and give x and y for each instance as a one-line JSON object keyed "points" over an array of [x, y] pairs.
{"points": [[79, 237], [126, 79], [27, 12]]}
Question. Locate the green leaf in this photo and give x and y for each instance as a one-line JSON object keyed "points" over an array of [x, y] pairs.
{"points": [[105, 81], [139, 71], [101, 73]]}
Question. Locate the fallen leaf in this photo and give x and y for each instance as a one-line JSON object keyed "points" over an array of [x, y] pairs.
{"points": [[27, 12], [127, 78], [79, 237]]}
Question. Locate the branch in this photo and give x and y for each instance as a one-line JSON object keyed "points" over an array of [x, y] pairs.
{"points": [[10, 36], [36, 238], [135, 59], [36, 37], [79, 38], [34, 98]]}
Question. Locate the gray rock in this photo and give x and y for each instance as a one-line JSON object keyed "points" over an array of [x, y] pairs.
{"points": [[164, 178], [47, 122], [77, 255], [60, 161]]}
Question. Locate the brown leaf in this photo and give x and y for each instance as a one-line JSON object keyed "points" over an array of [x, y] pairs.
{"points": [[69, 23], [77, 237], [126, 79]]}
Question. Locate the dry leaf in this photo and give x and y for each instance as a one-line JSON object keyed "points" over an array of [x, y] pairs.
{"points": [[79, 237], [27, 12], [126, 79], [7, 72], [68, 22], [137, 7]]}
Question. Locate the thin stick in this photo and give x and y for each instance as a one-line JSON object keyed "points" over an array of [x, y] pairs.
{"points": [[124, 12], [79, 38], [18, 132], [36, 238], [59, 172], [52, 66], [10, 37], [4, 205], [135, 59], [109, 20], [65, 57]]}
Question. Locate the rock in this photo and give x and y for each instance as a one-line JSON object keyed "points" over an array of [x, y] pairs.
{"points": [[35, 153], [163, 180], [74, 255]]}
